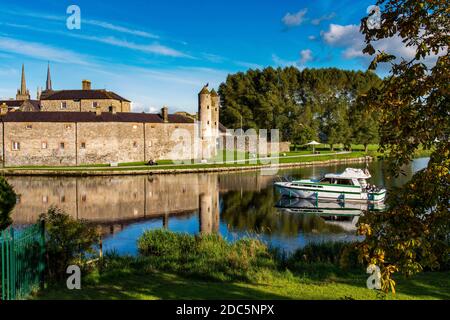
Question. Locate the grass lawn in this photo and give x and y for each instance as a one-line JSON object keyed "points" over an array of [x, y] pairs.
{"points": [[156, 285], [291, 157]]}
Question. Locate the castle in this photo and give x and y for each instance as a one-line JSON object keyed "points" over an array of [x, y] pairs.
{"points": [[88, 126]]}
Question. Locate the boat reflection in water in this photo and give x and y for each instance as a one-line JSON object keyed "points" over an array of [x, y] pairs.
{"points": [[344, 214]]}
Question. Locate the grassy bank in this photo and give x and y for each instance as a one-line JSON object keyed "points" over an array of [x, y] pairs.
{"points": [[180, 266], [292, 158]]}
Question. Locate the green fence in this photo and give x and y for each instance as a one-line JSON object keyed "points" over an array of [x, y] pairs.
{"points": [[23, 261]]}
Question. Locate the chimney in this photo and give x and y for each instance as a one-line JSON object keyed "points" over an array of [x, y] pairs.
{"points": [[165, 114], [86, 85], [4, 109], [98, 110]]}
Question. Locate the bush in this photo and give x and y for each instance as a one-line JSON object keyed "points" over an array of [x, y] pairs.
{"points": [[339, 254], [69, 241], [208, 256], [7, 203]]}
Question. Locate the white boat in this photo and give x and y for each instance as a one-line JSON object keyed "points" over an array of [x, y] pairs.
{"points": [[350, 185]]}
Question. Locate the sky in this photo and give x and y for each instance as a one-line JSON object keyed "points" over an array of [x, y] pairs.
{"points": [[161, 53]]}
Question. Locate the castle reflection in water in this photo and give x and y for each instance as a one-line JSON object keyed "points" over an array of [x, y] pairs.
{"points": [[116, 201]]}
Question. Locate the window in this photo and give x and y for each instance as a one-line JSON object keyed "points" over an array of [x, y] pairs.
{"points": [[63, 105], [63, 198], [83, 145], [135, 144], [44, 145], [61, 145], [344, 182], [207, 107], [29, 126], [149, 143], [111, 108], [16, 146], [83, 198], [18, 198], [94, 104], [135, 127], [68, 126], [44, 199], [208, 122]]}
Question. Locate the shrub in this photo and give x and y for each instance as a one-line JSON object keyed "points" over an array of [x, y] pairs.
{"points": [[208, 256], [69, 241], [7, 203]]}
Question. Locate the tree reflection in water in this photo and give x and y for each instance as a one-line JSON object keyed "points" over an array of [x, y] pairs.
{"points": [[255, 212]]}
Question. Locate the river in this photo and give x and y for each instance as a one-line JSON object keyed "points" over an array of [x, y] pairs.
{"points": [[232, 204]]}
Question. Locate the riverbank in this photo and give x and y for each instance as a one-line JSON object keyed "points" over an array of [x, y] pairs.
{"points": [[180, 266], [302, 160]]}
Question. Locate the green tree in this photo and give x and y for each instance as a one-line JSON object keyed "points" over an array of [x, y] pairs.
{"points": [[68, 241], [7, 202], [413, 103]]}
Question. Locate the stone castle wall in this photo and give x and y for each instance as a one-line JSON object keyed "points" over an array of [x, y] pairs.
{"points": [[70, 143]]}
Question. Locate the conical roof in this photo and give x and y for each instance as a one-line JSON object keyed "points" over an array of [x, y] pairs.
{"points": [[204, 90], [214, 93]]}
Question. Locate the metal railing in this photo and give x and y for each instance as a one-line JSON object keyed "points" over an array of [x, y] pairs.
{"points": [[23, 261]]}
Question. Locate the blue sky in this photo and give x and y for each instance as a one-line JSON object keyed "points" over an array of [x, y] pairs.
{"points": [[159, 53]]}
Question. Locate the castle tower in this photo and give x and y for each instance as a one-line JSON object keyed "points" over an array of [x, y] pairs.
{"points": [[215, 104], [23, 93], [48, 83], [204, 116]]}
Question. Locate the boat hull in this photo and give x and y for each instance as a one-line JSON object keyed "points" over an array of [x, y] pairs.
{"points": [[291, 190]]}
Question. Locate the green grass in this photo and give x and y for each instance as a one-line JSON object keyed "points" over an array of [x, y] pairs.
{"points": [[181, 266], [164, 165], [162, 285]]}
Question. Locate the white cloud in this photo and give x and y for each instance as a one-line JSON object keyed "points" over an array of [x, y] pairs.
{"points": [[41, 51], [312, 38], [294, 19], [305, 56], [96, 23], [351, 40], [319, 20], [121, 29]]}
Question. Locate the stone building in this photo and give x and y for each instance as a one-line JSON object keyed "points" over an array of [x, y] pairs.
{"points": [[77, 127]]}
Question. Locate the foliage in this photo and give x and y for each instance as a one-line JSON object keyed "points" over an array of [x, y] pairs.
{"points": [[413, 104], [206, 256], [69, 241], [305, 105], [7, 203]]}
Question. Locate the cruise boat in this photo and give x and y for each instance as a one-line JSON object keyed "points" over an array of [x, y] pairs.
{"points": [[350, 185]]}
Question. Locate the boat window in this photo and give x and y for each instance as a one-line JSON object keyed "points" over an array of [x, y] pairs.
{"points": [[326, 180], [344, 182], [362, 182]]}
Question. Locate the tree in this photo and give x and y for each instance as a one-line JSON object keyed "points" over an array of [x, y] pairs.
{"points": [[68, 241], [7, 202], [413, 103], [291, 100]]}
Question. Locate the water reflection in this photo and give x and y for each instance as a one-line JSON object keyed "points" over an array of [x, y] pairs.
{"points": [[233, 204]]}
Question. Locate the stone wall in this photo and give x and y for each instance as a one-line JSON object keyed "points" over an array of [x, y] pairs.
{"points": [[68, 144], [85, 105]]}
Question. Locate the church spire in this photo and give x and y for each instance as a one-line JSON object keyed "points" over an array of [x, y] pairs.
{"points": [[23, 85], [48, 85], [23, 93]]}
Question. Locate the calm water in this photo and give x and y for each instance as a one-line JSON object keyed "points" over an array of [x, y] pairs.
{"points": [[232, 204]]}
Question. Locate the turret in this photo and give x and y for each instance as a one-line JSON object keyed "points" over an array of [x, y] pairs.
{"points": [[204, 112], [215, 105]]}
